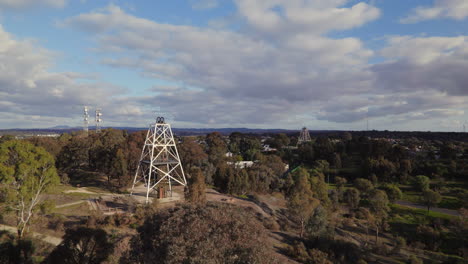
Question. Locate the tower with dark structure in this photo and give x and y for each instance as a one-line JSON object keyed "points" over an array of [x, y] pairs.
{"points": [[304, 136], [159, 165]]}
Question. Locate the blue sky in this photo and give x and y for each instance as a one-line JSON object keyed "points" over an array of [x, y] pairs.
{"points": [[326, 64]]}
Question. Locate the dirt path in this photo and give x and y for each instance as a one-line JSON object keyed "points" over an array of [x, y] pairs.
{"points": [[214, 196], [435, 209], [48, 239], [80, 190], [70, 204]]}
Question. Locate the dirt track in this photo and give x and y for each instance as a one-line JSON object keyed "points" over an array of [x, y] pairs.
{"points": [[49, 239]]}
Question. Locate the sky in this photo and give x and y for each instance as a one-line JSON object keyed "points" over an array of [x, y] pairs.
{"points": [[324, 64]]}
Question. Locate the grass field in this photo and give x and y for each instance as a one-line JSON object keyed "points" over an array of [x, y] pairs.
{"points": [[408, 215]]}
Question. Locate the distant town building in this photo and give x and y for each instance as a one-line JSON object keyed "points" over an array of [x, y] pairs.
{"points": [[241, 164]]}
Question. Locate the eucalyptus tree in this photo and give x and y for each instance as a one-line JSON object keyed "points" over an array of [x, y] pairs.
{"points": [[26, 171]]}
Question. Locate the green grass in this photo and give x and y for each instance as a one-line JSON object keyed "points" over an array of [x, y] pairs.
{"points": [[412, 196], [74, 210], [450, 202], [243, 196], [413, 215], [60, 189], [404, 222]]}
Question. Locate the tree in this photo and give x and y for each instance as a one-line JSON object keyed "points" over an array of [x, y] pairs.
{"points": [[280, 140], [319, 187], [51, 145], [340, 184], [363, 185], [6, 138], [238, 182], [134, 144], [75, 154], [405, 169], [216, 147], [221, 176], [249, 146], [191, 153], [382, 167], [323, 148], [16, 251], [26, 172], [306, 153], [336, 161], [212, 233], [196, 188], [393, 192], [346, 136], [431, 198], [378, 201], [352, 197], [318, 223], [82, 245], [301, 202], [421, 182], [261, 177], [118, 169]]}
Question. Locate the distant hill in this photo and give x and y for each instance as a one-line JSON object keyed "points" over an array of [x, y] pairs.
{"points": [[457, 136]]}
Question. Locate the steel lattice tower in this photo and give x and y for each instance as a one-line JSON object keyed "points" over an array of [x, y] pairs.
{"points": [[304, 136], [85, 120], [159, 162], [98, 120]]}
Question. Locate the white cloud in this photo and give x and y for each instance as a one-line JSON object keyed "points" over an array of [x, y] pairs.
{"points": [[432, 63], [452, 9], [281, 18], [425, 50], [228, 62], [32, 94], [280, 66]]}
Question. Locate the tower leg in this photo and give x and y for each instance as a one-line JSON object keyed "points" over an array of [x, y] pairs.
{"points": [[170, 187]]}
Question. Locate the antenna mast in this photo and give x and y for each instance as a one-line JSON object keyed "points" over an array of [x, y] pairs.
{"points": [[98, 120], [85, 120], [159, 164]]}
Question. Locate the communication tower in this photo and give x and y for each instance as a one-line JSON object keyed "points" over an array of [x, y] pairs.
{"points": [[85, 120], [159, 164], [304, 136], [98, 120]]}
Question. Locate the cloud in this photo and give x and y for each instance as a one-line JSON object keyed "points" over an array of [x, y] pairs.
{"points": [[30, 93], [451, 9], [432, 63], [204, 4], [281, 18], [23, 4], [281, 63], [229, 63]]}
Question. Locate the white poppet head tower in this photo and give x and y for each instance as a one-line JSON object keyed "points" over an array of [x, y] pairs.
{"points": [[159, 163]]}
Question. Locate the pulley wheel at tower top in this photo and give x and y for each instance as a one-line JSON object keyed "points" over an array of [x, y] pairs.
{"points": [[160, 120]]}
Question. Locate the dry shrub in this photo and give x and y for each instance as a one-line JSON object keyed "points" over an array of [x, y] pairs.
{"points": [[56, 222], [271, 224], [95, 219], [211, 233]]}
